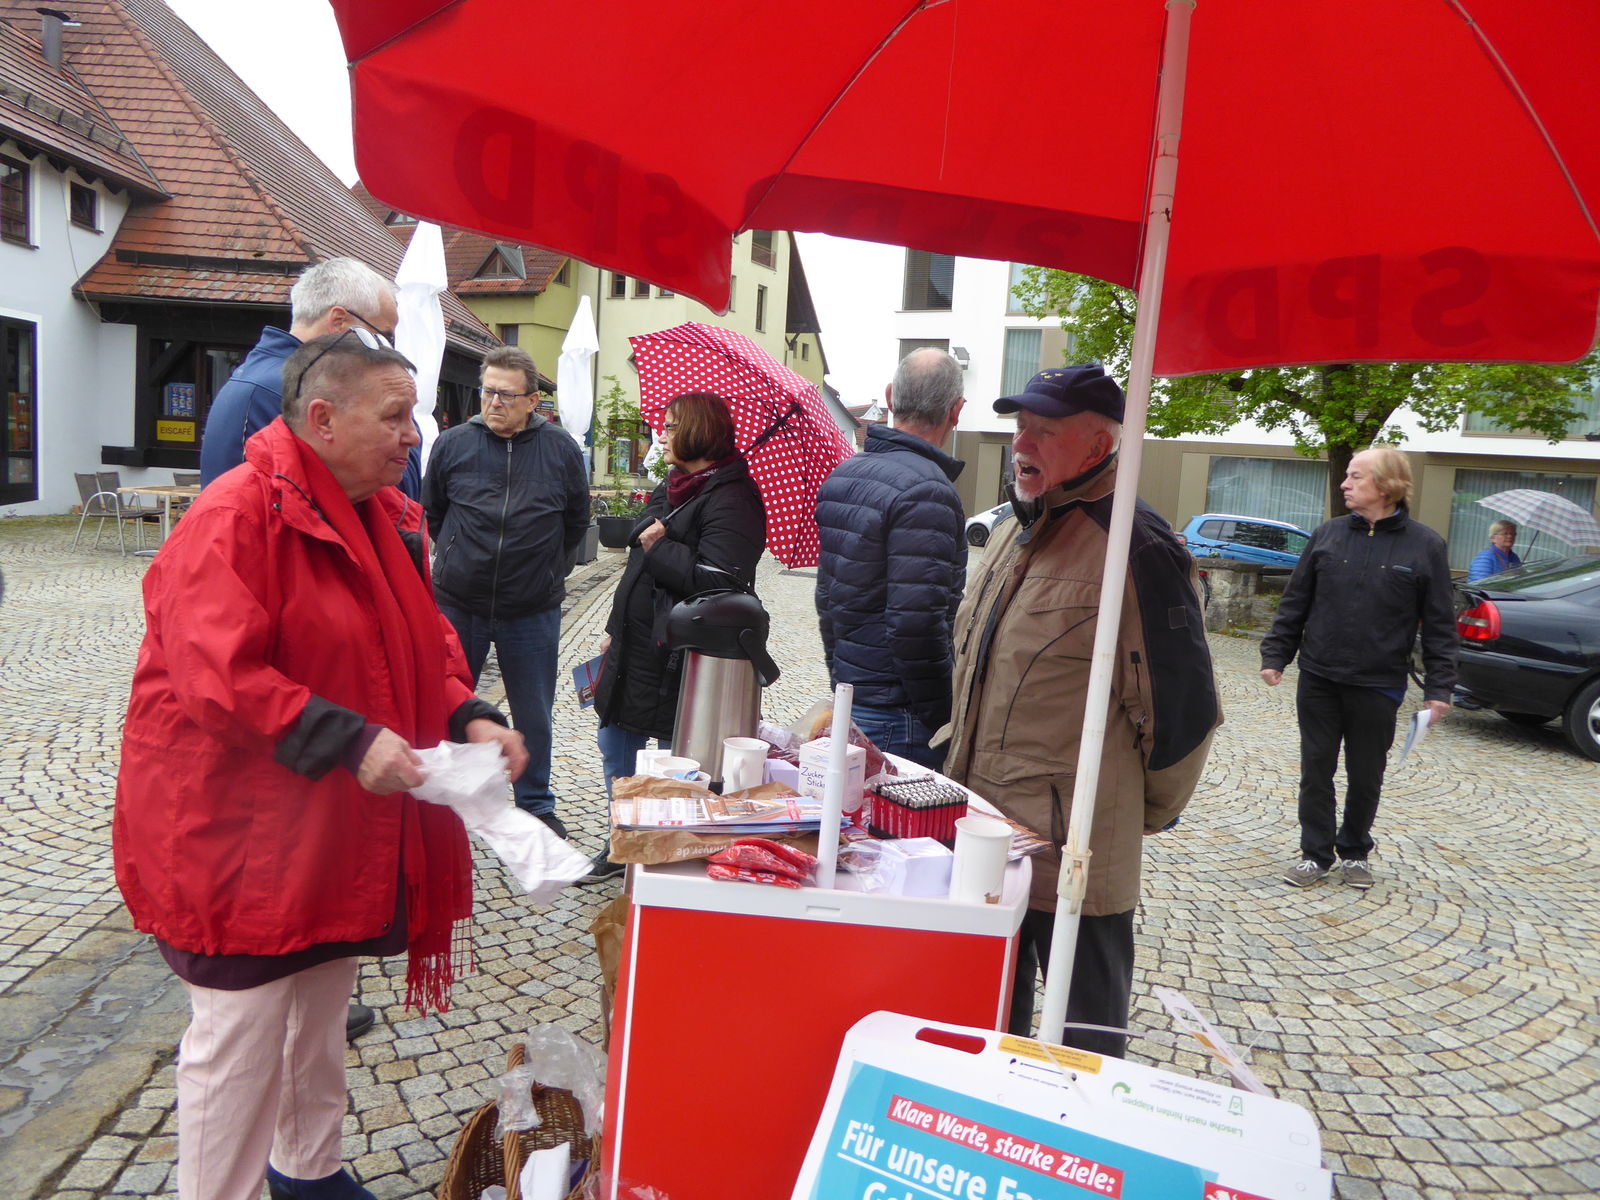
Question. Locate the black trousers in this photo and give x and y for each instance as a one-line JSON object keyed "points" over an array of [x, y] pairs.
{"points": [[1363, 720], [1102, 978]]}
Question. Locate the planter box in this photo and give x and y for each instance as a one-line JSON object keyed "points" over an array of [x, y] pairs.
{"points": [[614, 531]]}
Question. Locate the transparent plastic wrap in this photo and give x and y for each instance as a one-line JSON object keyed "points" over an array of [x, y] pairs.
{"points": [[863, 857], [817, 722], [471, 779], [514, 1099], [560, 1059]]}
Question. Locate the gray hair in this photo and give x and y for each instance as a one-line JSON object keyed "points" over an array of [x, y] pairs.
{"points": [[331, 367], [927, 385], [342, 282]]}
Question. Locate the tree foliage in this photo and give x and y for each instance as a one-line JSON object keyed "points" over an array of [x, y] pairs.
{"points": [[1333, 410]]}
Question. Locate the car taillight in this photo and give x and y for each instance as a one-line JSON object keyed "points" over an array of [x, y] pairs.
{"points": [[1480, 623]]}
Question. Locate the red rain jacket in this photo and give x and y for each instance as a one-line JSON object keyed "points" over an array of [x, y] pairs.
{"points": [[253, 607]]}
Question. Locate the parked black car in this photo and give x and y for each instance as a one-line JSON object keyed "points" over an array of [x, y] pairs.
{"points": [[1530, 646]]}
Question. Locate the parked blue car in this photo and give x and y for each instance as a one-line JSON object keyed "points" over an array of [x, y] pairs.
{"points": [[1275, 544]]}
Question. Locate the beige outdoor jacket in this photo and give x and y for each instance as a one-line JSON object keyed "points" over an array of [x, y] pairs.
{"points": [[1023, 642]]}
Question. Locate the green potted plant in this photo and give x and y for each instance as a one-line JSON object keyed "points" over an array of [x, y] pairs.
{"points": [[616, 515]]}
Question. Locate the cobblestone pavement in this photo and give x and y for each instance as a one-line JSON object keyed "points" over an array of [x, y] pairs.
{"points": [[1442, 1027]]}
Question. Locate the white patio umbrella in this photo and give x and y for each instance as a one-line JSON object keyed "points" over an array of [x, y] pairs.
{"points": [[420, 333], [575, 374]]}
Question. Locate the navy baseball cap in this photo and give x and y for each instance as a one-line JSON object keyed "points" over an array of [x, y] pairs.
{"points": [[1065, 391]]}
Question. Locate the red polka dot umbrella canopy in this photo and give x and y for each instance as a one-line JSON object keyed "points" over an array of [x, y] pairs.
{"points": [[781, 424]]}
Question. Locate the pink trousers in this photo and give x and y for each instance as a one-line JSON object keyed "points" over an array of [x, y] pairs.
{"points": [[261, 1072]]}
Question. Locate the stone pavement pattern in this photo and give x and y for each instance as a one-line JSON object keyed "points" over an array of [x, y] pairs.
{"points": [[1441, 1027]]}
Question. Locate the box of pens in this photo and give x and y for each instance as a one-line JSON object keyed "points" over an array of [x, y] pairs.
{"points": [[923, 807]]}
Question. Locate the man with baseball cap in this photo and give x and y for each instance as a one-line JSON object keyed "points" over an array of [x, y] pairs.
{"points": [[1024, 637]]}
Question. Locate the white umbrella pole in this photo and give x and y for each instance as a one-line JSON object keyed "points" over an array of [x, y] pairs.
{"points": [[1158, 221], [834, 785]]}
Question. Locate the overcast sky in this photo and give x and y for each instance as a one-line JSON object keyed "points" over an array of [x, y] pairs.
{"points": [[289, 52]]}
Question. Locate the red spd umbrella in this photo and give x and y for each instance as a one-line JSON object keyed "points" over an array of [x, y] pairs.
{"points": [[780, 422]]}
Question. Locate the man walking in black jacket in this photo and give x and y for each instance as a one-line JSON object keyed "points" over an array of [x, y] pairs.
{"points": [[1351, 610], [507, 505], [894, 563]]}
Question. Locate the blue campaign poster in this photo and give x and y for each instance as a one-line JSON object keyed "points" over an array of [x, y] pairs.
{"points": [[898, 1138]]}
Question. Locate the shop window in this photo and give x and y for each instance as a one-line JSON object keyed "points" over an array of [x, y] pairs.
{"points": [[1283, 489], [1470, 521]]}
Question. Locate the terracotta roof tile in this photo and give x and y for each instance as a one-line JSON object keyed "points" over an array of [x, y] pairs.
{"points": [[50, 110], [244, 189], [465, 252]]}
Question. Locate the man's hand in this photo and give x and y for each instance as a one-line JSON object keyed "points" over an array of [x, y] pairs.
{"points": [[512, 748], [1273, 678], [390, 765], [652, 534], [1437, 709], [605, 643]]}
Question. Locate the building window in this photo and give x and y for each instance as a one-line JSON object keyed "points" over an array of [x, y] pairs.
{"points": [[761, 308], [18, 455], [508, 333], [761, 251], [641, 289], [14, 200], [907, 345], [664, 294], [1022, 354], [564, 275], [1283, 489], [84, 205], [400, 219], [619, 286], [1587, 402], [733, 291], [1013, 305], [1470, 521], [805, 351], [930, 281]]}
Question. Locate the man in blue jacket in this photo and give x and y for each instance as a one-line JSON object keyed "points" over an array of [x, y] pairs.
{"points": [[508, 502], [894, 562], [329, 297]]}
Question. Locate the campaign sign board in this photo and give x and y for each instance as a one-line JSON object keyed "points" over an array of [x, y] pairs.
{"points": [[969, 1114]]}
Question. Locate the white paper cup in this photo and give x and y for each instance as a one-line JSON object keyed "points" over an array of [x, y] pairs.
{"points": [[673, 767], [644, 761], [744, 761], [982, 847]]}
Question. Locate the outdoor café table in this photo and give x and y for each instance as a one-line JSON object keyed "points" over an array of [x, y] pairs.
{"points": [[168, 493], [733, 1000]]}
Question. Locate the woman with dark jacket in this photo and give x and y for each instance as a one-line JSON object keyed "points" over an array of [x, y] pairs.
{"points": [[703, 530]]}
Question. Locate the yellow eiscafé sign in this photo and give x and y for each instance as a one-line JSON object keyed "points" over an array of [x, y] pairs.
{"points": [[174, 431]]}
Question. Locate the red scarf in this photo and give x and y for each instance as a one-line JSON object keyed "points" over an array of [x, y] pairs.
{"points": [[683, 487], [436, 859]]}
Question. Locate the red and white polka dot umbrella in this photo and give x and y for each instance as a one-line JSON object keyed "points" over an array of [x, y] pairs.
{"points": [[802, 444]]}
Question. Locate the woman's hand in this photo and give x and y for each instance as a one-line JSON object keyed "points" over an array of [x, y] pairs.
{"points": [[652, 534], [512, 748], [390, 765]]}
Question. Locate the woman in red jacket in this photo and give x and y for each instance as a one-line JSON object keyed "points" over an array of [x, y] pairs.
{"points": [[293, 657]]}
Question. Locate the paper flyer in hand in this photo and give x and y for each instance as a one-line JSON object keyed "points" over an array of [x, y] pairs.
{"points": [[1420, 721]]}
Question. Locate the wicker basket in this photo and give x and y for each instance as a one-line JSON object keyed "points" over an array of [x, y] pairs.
{"points": [[479, 1160]]}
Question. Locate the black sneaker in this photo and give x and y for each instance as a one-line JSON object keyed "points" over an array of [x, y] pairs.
{"points": [[557, 826], [357, 1021], [602, 868]]}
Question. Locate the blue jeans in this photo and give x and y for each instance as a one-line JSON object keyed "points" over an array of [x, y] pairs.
{"points": [[618, 746], [527, 649], [898, 731]]}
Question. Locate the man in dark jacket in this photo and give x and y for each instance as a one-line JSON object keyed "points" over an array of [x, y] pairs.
{"points": [[330, 297], [894, 563], [507, 505], [1351, 611]]}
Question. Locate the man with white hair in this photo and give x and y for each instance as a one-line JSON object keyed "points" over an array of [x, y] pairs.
{"points": [[1024, 640], [893, 562], [329, 297]]}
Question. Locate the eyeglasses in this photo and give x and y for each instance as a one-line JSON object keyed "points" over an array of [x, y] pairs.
{"points": [[494, 396], [371, 339], [386, 336], [669, 426]]}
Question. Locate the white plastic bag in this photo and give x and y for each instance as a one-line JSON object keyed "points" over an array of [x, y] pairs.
{"points": [[471, 779]]}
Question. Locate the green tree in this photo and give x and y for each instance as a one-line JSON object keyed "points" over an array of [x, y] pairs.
{"points": [[1335, 410]]}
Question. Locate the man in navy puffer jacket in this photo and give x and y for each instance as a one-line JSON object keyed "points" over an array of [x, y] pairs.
{"points": [[894, 562]]}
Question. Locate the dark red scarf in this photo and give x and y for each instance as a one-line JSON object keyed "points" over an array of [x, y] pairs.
{"points": [[683, 487], [436, 859]]}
